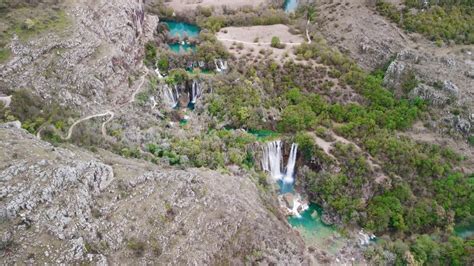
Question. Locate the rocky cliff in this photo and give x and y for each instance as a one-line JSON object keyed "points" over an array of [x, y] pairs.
{"points": [[91, 63], [67, 205]]}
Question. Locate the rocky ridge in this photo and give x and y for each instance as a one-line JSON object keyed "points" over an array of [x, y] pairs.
{"points": [[66, 205], [90, 64]]}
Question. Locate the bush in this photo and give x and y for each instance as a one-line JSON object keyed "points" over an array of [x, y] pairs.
{"points": [[138, 247], [150, 54], [275, 43]]}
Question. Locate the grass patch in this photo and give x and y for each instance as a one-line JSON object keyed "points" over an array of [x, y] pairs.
{"points": [[28, 21], [4, 54]]}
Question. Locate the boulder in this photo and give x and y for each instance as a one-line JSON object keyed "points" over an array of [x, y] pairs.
{"points": [[429, 94], [450, 88], [462, 125], [289, 200], [14, 124]]}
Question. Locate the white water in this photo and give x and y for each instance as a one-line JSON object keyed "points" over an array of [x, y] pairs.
{"points": [[290, 168], [196, 91], [364, 239], [170, 96], [271, 160], [298, 204], [221, 66]]}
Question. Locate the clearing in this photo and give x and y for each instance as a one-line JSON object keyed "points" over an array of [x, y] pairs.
{"points": [[181, 5], [248, 41]]}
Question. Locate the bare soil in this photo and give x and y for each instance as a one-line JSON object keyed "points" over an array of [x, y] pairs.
{"points": [[249, 41], [181, 5]]}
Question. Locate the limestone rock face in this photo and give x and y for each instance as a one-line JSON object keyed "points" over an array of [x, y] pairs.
{"points": [[450, 88], [394, 75], [67, 205], [429, 94], [89, 64]]}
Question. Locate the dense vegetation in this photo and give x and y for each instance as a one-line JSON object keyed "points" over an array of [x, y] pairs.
{"points": [[34, 114], [425, 197], [438, 20]]}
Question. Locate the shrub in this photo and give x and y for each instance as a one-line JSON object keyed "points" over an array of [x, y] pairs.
{"points": [[275, 43], [138, 247], [150, 54]]}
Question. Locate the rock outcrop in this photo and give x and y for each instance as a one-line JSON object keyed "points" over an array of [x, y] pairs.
{"points": [[90, 63], [70, 206], [66, 205]]}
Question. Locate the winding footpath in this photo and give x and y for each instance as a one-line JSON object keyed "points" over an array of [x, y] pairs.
{"points": [[106, 113]]}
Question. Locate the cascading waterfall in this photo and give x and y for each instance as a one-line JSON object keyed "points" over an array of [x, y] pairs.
{"points": [[290, 168], [196, 91], [221, 65], [170, 96], [271, 160]]}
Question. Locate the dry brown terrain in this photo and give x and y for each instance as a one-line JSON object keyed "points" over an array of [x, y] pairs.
{"points": [[180, 5], [250, 40]]}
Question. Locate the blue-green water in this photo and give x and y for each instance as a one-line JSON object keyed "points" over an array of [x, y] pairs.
{"points": [[314, 231], [465, 231], [182, 48], [262, 134], [285, 187], [181, 29], [290, 5]]}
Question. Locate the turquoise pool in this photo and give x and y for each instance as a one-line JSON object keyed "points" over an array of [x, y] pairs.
{"points": [[181, 29], [290, 5], [315, 232], [182, 48]]}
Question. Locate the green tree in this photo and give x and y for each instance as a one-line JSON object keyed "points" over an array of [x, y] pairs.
{"points": [[297, 118]]}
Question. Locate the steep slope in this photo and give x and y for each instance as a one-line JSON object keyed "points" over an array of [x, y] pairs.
{"points": [[92, 62], [64, 205]]}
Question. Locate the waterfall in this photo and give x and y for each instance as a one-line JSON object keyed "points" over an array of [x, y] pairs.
{"points": [[299, 206], [221, 66], [195, 91], [272, 157], [290, 168], [170, 96]]}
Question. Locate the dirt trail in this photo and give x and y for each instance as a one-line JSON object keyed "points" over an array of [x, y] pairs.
{"points": [[105, 113]]}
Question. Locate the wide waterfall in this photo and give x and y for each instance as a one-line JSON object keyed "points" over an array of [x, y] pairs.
{"points": [[170, 96], [221, 66], [195, 92], [273, 157], [290, 168]]}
